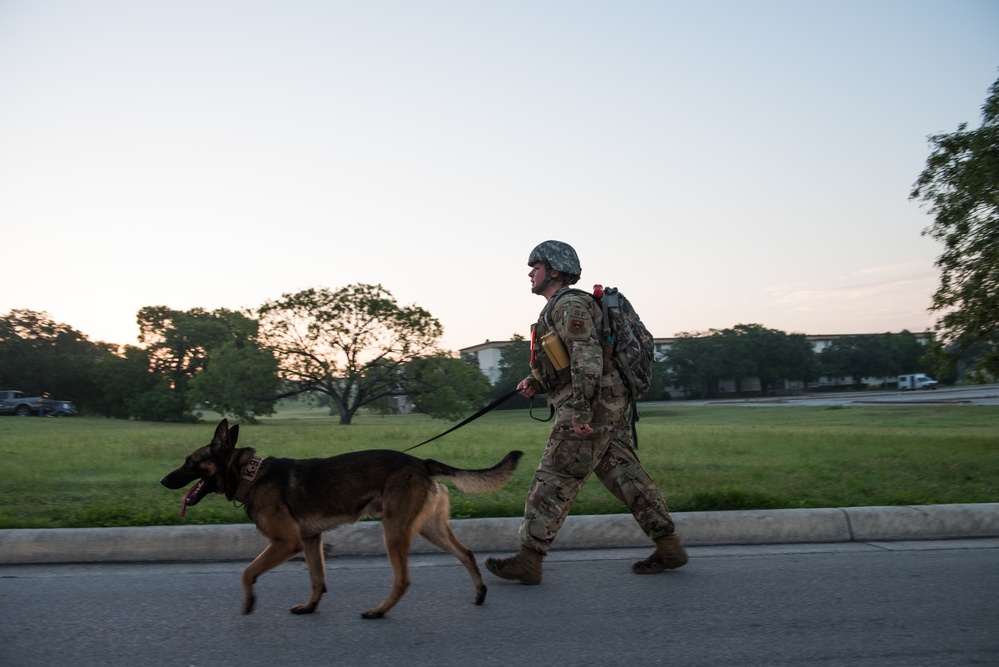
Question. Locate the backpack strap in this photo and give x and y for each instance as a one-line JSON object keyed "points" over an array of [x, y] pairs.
{"points": [[565, 291]]}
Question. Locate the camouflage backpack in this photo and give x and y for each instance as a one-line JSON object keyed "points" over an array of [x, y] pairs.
{"points": [[631, 344], [633, 350]]}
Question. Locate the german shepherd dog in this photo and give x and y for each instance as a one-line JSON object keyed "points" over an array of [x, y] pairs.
{"points": [[293, 501]]}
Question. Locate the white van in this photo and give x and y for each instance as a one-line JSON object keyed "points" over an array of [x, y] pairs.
{"points": [[916, 381]]}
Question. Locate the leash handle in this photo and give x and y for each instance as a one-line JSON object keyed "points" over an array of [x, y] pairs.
{"points": [[478, 414]]}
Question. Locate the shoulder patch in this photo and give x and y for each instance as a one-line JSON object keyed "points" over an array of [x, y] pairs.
{"points": [[577, 326]]}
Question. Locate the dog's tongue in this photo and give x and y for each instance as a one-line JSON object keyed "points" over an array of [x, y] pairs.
{"points": [[191, 492]]}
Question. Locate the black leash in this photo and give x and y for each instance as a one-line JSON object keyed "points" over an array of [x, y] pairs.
{"points": [[478, 414]]}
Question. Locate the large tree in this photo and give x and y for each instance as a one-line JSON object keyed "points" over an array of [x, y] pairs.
{"points": [[39, 355], [128, 390], [772, 355], [351, 344], [697, 362], [960, 184], [241, 381], [857, 357], [241, 378]]}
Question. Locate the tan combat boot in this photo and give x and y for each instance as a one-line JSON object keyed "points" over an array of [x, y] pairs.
{"points": [[669, 555], [524, 567]]}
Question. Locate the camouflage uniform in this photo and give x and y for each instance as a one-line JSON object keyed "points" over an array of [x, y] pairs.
{"points": [[590, 391]]}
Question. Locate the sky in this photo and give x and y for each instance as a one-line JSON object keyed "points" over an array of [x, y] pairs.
{"points": [[720, 162]]}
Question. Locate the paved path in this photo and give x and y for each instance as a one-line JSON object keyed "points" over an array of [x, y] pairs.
{"points": [[855, 604]]}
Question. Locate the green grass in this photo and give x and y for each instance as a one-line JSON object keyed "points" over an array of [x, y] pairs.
{"points": [[86, 472]]}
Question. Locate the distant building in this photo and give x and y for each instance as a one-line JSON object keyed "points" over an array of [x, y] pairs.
{"points": [[489, 354]]}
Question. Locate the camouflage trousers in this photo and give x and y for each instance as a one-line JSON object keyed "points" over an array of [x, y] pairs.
{"points": [[568, 462]]}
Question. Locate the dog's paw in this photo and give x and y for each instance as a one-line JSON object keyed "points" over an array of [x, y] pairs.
{"points": [[480, 594], [372, 613], [307, 608], [248, 604]]}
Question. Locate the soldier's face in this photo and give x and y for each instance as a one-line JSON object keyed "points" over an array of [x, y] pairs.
{"points": [[543, 281], [537, 276]]}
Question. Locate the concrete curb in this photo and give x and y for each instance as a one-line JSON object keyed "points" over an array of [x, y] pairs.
{"points": [[242, 542]]}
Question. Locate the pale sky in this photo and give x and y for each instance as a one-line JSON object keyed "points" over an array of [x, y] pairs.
{"points": [[722, 163]]}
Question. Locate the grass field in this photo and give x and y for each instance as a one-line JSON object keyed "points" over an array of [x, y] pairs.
{"points": [[87, 472]]}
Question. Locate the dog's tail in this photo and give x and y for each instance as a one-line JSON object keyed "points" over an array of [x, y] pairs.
{"points": [[477, 481]]}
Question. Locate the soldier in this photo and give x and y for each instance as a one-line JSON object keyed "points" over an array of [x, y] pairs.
{"points": [[591, 433]]}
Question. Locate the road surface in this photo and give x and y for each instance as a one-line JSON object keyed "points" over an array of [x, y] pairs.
{"points": [[857, 604]]}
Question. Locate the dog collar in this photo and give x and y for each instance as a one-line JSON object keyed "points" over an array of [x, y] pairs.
{"points": [[247, 477]]}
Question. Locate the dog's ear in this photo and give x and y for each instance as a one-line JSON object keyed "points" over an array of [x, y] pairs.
{"points": [[221, 439], [221, 432], [233, 435]]}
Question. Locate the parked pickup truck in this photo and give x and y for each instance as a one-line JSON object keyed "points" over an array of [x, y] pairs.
{"points": [[13, 402]]}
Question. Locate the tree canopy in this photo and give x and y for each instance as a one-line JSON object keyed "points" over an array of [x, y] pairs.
{"points": [[697, 362], [351, 344], [960, 185], [209, 358], [882, 355], [445, 387], [39, 355]]}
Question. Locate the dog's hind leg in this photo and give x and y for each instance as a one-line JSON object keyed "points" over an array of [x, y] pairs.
{"points": [[404, 504], [436, 529], [317, 574]]}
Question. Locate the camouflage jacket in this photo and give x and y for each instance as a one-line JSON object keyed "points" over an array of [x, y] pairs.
{"points": [[577, 320]]}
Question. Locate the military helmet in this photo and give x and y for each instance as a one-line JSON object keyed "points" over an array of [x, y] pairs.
{"points": [[558, 255]]}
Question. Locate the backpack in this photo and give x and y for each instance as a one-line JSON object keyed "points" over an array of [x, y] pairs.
{"points": [[632, 347]]}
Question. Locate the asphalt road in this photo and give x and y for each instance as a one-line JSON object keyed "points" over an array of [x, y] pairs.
{"points": [[857, 604]]}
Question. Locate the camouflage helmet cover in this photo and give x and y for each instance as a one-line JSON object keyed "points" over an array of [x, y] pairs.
{"points": [[558, 254]]}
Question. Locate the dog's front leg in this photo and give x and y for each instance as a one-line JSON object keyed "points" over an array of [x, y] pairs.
{"points": [[276, 553], [398, 540], [317, 574]]}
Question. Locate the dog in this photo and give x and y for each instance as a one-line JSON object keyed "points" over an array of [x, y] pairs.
{"points": [[293, 501]]}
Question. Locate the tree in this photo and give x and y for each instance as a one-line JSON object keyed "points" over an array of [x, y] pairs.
{"points": [[180, 345], [125, 382], [39, 355], [240, 381], [960, 184], [445, 387], [180, 341], [350, 344], [772, 356], [910, 354], [857, 357], [697, 362]]}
